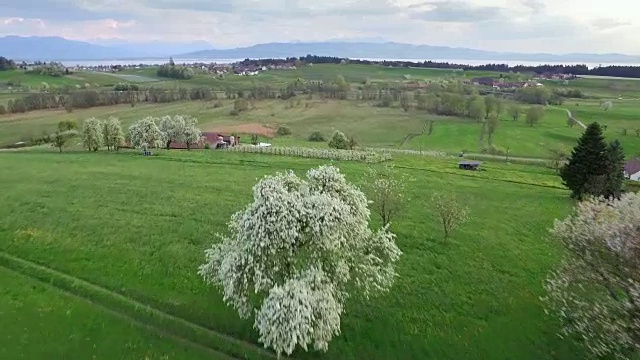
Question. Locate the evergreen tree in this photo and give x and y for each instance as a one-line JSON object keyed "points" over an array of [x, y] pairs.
{"points": [[615, 179], [588, 166]]}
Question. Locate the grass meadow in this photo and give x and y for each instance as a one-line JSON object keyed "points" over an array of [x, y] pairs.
{"points": [[372, 126], [22, 79], [137, 227]]}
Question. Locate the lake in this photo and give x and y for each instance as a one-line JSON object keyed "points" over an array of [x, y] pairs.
{"points": [[71, 63]]}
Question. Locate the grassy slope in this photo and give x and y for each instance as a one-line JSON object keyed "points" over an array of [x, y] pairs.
{"points": [[372, 126], [38, 322], [35, 80], [139, 226]]}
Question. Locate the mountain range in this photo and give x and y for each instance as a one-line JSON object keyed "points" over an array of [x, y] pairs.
{"points": [[60, 49]]}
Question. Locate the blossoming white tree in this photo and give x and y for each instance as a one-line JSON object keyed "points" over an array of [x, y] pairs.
{"points": [[596, 290], [113, 134], [190, 133], [295, 254], [172, 128], [92, 134], [145, 134]]}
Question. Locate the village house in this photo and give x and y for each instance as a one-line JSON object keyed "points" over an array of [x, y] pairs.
{"points": [[632, 169]]}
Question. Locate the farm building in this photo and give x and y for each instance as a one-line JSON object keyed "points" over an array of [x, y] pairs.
{"points": [[469, 165], [215, 140], [632, 169]]}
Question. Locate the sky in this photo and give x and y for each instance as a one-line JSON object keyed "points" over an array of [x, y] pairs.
{"points": [[555, 26]]}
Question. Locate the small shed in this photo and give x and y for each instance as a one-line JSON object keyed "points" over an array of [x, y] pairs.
{"points": [[469, 165]]}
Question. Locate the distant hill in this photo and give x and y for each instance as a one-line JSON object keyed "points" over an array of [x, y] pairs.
{"points": [[391, 50], [57, 48]]}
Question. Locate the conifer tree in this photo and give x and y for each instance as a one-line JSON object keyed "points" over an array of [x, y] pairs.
{"points": [[587, 170], [615, 179]]}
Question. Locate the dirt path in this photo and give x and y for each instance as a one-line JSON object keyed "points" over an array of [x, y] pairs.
{"points": [[570, 116]]}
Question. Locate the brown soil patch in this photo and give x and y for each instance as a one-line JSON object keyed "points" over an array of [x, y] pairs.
{"points": [[251, 128]]}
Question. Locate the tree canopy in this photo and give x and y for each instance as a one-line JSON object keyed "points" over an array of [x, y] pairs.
{"points": [[595, 291], [294, 255]]}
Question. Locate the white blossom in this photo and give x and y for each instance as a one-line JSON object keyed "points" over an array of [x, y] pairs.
{"points": [[172, 128], [113, 134], [596, 290], [145, 134], [190, 132], [314, 153], [92, 134], [294, 255]]}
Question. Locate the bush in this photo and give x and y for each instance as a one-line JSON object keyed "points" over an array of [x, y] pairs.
{"points": [[207, 146], [283, 131], [2, 110], [316, 136], [339, 141], [234, 112], [241, 105]]}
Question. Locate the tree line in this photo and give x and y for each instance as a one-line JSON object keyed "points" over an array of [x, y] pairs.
{"points": [[612, 70], [6, 64]]}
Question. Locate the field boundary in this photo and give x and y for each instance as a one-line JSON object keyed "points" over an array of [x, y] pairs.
{"points": [[139, 313]]}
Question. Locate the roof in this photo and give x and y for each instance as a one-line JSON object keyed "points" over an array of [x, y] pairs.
{"points": [[632, 166]]}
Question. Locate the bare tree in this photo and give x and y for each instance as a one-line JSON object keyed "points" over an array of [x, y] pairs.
{"points": [[386, 192], [450, 213]]}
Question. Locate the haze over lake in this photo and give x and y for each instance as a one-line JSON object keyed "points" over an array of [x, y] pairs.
{"points": [[71, 63]]}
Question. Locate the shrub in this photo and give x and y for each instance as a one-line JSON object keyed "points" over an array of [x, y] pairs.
{"points": [[241, 105], [316, 136], [3, 110], [207, 146], [283, 130], [339, 141], [234, 112]]}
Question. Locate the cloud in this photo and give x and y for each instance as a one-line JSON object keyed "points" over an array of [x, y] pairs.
{"points": [[504, 25], [608, 24], [56, 10], [455, 11], [537, 6]]}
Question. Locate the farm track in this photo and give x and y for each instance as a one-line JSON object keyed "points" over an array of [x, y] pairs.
{"points": [[218, 345]]}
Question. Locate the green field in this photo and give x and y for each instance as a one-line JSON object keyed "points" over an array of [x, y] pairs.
{"points": [[138, 227], [372, 126], [82, 330], [22, 79]]}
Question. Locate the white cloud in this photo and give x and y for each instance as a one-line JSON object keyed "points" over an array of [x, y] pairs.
{"points": [[505, 25]]}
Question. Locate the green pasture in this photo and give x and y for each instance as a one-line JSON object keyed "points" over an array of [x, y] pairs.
{"points": [[371, 126], [34, 81], [41, 322], [138, 226]]}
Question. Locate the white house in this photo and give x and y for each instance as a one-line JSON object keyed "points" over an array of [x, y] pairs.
{"points": [[632, 169]]}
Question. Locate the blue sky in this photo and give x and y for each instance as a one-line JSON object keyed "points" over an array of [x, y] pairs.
{"points": [[560, 26]]}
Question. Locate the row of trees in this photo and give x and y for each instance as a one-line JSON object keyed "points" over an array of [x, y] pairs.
{"points": [[97, 133], [171, 70], [153, 132], [147, 133]]}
